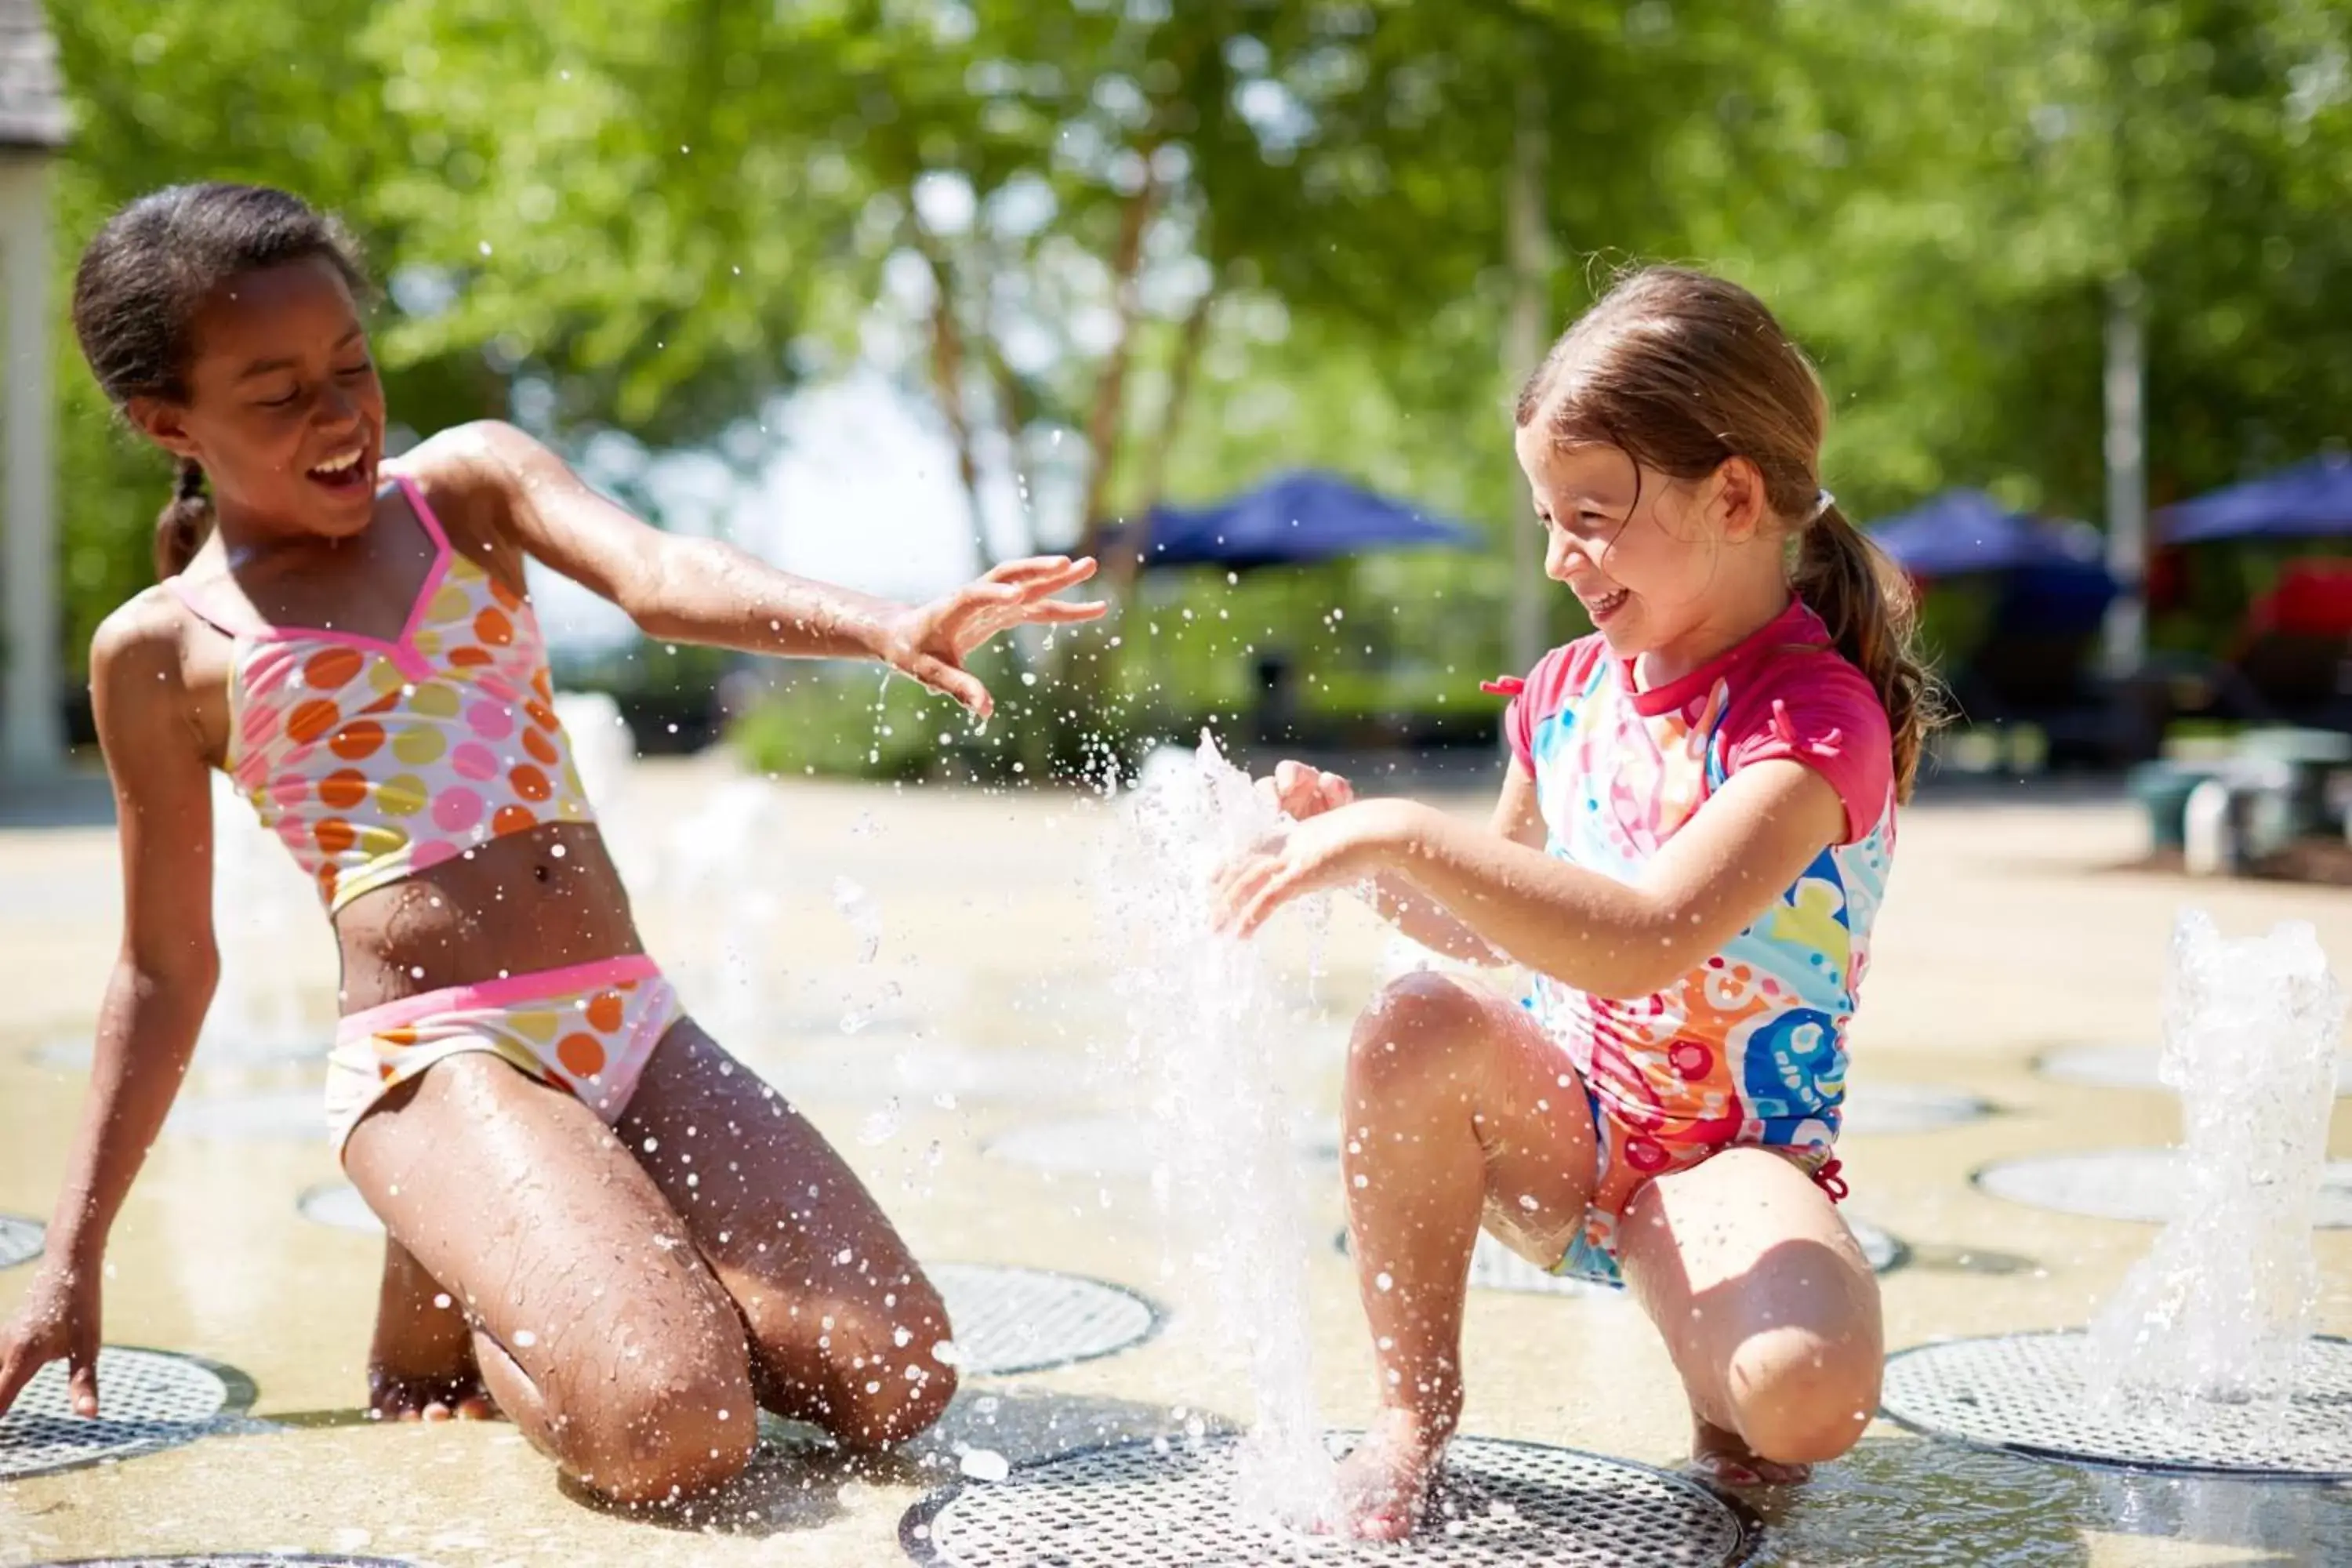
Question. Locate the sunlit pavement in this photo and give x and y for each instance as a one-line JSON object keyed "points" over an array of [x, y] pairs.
{"points": [[2005, 936]]}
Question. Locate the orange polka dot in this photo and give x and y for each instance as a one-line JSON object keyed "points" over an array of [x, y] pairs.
{"points": [[327, 879], [506, 596], [311, 719], [604, 1012], [343, 790], [530, 783], [540, 748], [383, 704], [403, 1036], [334, 669], [493, 628], [334, 834], [541, 715], [469, 657], [513, 819], [358, 739], [542, 685], [581, 1055]]}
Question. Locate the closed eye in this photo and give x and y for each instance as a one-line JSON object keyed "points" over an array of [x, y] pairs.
{"points": [[362, 368]]}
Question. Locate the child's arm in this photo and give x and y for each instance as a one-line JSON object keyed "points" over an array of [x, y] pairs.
{"points": [[155, 1002], [686, 589], [1304, 792], [1751, 839]]}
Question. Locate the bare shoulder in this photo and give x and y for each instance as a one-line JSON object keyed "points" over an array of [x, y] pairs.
{"points": [[474, 472], [139, 677]]}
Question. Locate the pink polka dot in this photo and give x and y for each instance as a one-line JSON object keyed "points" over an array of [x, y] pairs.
{"points": [[292, 789], [457, 809], [497, 686], [474, 761], [432, 853], [491, 720]]}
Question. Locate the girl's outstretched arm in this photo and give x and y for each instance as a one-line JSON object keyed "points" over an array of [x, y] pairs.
{"points": [[1751, 839], [155, 1001], [686, 589], [1305, 792]]}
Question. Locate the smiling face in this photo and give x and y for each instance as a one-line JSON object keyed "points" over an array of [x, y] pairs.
{"points": [[1674, 570], [283, 408]]}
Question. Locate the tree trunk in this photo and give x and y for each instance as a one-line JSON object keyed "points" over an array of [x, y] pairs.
{"points": [[947, 376], [1126, 562], [1110, 391]]}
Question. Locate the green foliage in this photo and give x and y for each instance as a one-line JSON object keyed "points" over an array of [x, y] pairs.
{"points": [[654, 229]]}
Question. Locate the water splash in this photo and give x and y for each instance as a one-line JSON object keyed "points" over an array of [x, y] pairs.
{"points": [[2218, 1312], [1204, 1017]]}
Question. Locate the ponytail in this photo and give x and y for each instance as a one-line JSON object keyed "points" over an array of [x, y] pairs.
{"points": [[1865, 599], [185, 524]]}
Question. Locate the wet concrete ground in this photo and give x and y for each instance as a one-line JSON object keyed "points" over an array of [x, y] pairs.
{"points": [[2004, 939]]}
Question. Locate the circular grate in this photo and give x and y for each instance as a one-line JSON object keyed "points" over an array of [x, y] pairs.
{"points": [[2133, 1067], [339, 1204], [1498, 1502], [1031, 1319], [147, 1400], [1116, 1146], [20, 1240], [2129, 1183], [1877, 1110], [2025, 1393]]}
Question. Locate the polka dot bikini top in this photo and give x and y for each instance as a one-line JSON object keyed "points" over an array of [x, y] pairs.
{"points": [[375, 760]]}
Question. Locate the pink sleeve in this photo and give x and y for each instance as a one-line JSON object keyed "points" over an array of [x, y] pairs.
{"points": [[1817, 710], [1544, 692]]}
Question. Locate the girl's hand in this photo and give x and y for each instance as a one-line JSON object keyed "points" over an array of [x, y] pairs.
{"points": [[1337, 847], [931, 642], [59, 1321], [1304, 792]]}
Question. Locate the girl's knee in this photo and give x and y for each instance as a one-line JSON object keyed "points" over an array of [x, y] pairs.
{"points": [[1417, 1021], [1797, 1399], [875, 1373], [665, 1427]]}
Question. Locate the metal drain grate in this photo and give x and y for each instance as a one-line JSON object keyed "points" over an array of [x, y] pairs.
{"points": [[339, 1204], [20, 1240], [1031, 1319], [2024, 1393], [1498, 1502], [2131, 1184], [2133, 1066], [147, 1400], [1877, 1110]]}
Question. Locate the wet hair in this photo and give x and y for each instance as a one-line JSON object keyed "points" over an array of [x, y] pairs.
{"points": [[146, 278], [1681, 371]]}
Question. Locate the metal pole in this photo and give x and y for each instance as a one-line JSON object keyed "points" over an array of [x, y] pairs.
{"points": [[2126, 454], [1524, 340], [32, 739]]}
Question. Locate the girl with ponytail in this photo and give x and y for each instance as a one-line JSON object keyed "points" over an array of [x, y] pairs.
{"points": [[1689, 849]]}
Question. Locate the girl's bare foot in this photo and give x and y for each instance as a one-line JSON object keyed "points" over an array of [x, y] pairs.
{"points": [[1726, 1456], [1383, 1483], [422, 1366]]}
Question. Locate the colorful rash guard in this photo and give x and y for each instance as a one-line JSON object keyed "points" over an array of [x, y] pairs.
{"points": [[1749, 1048]]}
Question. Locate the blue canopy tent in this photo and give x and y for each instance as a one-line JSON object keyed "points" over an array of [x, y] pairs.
{"points": [[2053, 573], [2308, 500], [1294, 518], [2050, 589]]}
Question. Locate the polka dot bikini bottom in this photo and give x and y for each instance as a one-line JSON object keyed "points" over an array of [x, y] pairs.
{"points": [[588, 1030]]}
